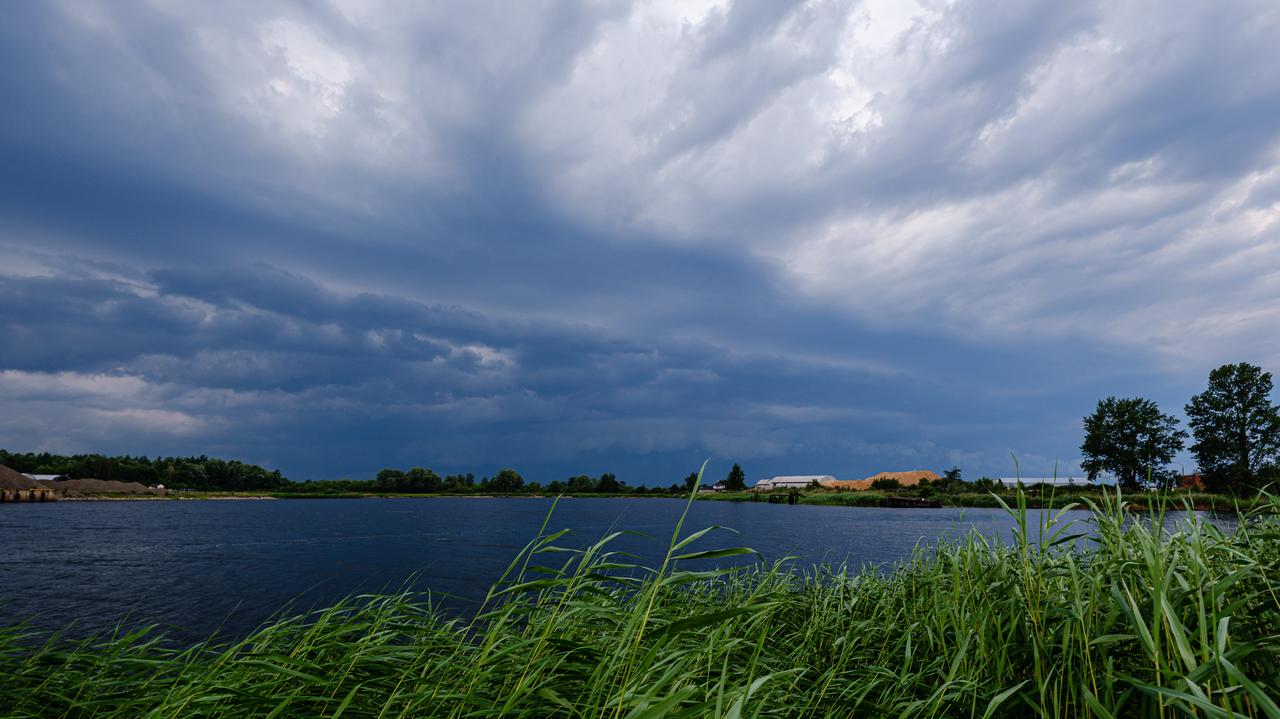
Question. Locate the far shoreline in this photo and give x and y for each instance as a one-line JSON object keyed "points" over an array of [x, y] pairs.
{"points": [[863, 499]]}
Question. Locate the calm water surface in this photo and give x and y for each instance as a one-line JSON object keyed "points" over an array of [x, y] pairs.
{"points": [[197, 567]]}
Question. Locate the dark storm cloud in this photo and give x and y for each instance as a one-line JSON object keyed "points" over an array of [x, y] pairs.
{"points": [[254, 350], [818, 236], [261, 359]]}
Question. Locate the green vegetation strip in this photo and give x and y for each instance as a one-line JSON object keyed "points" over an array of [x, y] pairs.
{"points": [[1137, 621]]}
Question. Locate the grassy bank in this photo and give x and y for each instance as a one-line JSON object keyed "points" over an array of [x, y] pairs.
{"points": [[1055, 498], [1139, 625], [1049, 499], [406, 495]]}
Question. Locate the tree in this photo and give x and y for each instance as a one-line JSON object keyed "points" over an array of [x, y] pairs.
{"points": [[737, 479], [1237, 428], [389, 480], [608, 483], [419, 480], [690, 482], [952, 475], [886, 483], [458, 482], [507, 480], [1131, 439]]}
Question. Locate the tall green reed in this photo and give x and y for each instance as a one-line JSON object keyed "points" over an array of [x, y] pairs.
{"points": [[1125, 614]]}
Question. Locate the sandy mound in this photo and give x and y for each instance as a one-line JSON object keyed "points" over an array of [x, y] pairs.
{"points": [[12, 479], [81, 487], [906, 479]]}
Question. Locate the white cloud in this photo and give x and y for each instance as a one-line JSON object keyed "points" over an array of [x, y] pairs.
{"points": [[847, 175], [153, 421], [1043, 169], [19, 384], [1037, 173]]}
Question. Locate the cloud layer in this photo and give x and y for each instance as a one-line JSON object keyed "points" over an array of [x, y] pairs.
{"points": [[828, 237]]}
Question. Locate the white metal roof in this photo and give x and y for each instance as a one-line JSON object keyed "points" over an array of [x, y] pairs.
{"points": [[1010, 481]]}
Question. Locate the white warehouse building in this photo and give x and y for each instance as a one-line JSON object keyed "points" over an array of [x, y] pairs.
{"points": [[795, 481]]}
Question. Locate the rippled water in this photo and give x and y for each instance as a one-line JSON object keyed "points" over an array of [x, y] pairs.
{"points": [[197, 567]]}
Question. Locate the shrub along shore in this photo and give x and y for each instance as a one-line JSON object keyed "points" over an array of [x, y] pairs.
{"points": [[1048, 499], [1134, 622], [1036, 498]]}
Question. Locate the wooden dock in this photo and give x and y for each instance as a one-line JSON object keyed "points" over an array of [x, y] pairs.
{"points": [[792, 497]]}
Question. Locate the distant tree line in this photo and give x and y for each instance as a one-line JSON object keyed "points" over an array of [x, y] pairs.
{"points": [[196, 473], [418, 480], [951, 482], [207, 474], [422, 481], [1234, 424]]}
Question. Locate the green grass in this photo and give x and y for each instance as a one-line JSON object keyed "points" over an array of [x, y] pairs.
{"points": [[1056, 498], [844, 499], [1139, 623]]}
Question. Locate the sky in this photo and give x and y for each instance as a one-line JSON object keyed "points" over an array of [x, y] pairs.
{"points": [[578, 237]]}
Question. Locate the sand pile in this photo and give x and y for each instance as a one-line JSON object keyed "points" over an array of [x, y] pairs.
{"points": [[906, 479], [13, 479], [85, 487]]}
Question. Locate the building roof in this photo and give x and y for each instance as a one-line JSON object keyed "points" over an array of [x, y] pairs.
{"points": [[792, 480], [42, 477], [1013, 481], [1191, 481]]}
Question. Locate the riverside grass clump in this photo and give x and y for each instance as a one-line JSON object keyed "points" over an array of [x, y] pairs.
{"points": [[1128, 615]]}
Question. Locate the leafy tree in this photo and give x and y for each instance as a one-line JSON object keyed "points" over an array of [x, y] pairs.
{"points": [[952, 475], [886, 483], [388, 475], [200, 473], [736, 481], [581, 484], [689, 482], [389, 480], [1237, 428], [419, 480], [608, 483], [1131, 439], [459, 482], [507, 481]]}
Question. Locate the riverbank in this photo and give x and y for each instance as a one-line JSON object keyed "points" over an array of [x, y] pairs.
{"points": [[1048, 499], [1142, 624], [1039, 500]]}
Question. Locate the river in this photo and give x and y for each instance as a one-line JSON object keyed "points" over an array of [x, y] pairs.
{"points": [[199, 567]]}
